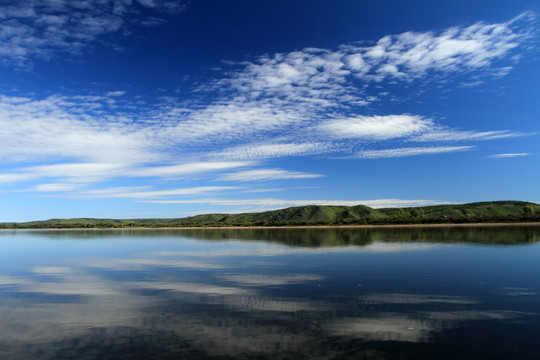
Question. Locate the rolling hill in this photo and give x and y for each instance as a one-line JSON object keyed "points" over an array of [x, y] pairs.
{"points": [[494, 211]]}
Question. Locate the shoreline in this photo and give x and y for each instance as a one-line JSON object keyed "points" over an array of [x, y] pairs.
{"points": [[374, 226]]}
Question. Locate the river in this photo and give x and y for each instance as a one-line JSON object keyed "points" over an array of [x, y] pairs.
{"points": [[383, 293]]}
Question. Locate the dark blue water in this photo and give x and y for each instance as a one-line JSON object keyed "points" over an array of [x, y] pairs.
{"points": [[448, 293]]}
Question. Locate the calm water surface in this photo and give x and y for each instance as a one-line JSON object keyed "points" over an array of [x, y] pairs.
{"points": [[460, 293]]}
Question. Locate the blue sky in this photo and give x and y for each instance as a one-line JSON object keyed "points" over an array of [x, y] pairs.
{"points": [[147, 108]]}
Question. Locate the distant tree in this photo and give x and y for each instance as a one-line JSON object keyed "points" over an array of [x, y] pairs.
{"points": [[417, 213], [528, 210]]}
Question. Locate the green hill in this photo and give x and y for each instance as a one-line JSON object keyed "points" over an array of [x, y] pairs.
{"points": [[495, 211], [301, 215], [472, 212]]}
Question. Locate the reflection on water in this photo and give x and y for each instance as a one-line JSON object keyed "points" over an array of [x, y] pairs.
{"points": [[314, 237], [270, 294]]}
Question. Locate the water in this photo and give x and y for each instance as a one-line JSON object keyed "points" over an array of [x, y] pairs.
{"points": [[447, 293]]}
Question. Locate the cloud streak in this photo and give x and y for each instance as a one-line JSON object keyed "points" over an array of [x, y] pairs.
{"points": [[140, 192], [413, 151], [273, 150], [88, 172], [436, 134], [377, 127], [268, 174], [508, 155], [273, 203]]}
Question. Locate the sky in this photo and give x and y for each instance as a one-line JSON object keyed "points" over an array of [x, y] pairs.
{"points": [[158, 108]]}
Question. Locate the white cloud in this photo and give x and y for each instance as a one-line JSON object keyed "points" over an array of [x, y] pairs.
{"points": [[508, 155], [390, 203], [267, 174], [69, 172], [55, 187], [74, 175], [77, 170], [67, 128], [377, 127], [189, 168], [439, 134], [232, 121], [357, 63], [300, 94], [413, 151], [307, 91], [272, 203], [457, 49], [261, 151], [318, 75], [88, 143], [115, 93], [8, 178], [142, 192]]}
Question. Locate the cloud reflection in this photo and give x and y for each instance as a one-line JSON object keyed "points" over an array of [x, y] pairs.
{"points": [[416, 299], [145, 263], [414, 327], [232, 300], [387, 327], [518, 291], [262, 303], [186, 287], [272, 280]]}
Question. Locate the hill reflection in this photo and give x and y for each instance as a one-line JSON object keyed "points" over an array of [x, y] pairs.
{"points": [[316, 237]]}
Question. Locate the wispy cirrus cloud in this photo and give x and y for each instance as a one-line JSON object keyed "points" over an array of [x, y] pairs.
{"points": [[231, 121], [413, 151], [188, 168], [508, 155], [449, 135], [144, 192], [274, 203], [68, 172], [274, 150], [55, 187], [267, 174], [85, 173]]}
